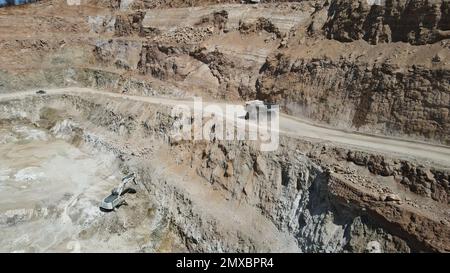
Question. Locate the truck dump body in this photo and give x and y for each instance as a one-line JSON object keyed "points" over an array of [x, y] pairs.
{"points": [[115, 198]]}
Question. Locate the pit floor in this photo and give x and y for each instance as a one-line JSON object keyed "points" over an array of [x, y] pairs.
{"points": [[49, 195]]}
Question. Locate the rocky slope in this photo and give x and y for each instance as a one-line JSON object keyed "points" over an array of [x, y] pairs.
{"points": [[379, 97], [380, 69], [368, 67], [304, 197], [414, 21]]}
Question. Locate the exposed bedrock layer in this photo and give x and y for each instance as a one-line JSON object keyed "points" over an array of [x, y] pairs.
{"points": [[387, 72], [411, 21], [374, 68], [381, 97], [111, 80], [229, 196]]}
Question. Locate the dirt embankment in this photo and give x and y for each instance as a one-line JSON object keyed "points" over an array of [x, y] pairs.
{"points": [[380, 97], [369, 68], [398, 90], [304, 196], [323, 204], [379, 69]]}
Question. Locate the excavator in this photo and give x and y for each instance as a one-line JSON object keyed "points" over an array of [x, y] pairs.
{"points": [[116, 199]]}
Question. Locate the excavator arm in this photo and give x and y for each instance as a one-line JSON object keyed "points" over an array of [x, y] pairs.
{"points": [[119, 190], [115, 199]]}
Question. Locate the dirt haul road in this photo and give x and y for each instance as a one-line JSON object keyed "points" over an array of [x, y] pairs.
{"points": [[290, 126]]}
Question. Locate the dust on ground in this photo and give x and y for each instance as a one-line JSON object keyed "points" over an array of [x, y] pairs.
{"points": [[49, 196]]}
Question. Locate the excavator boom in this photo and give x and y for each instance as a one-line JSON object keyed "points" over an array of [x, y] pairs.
{"points": [[125, 181], [115, 199]]}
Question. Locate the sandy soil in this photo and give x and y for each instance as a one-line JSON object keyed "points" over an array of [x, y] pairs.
{"points": [[49, 196]]}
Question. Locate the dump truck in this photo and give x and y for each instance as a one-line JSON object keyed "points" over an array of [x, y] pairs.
{"points": [[255, 107]]}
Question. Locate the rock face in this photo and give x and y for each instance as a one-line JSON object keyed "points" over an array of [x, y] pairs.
{"points": [[380, 69], [128, 24], [381, 97], [412, 21], [123, 54], [421, 180], [4, 3], [223, 196], [295, 195]]}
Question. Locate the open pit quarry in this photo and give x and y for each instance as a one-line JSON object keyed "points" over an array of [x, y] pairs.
{"points": [[362, 161]]}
